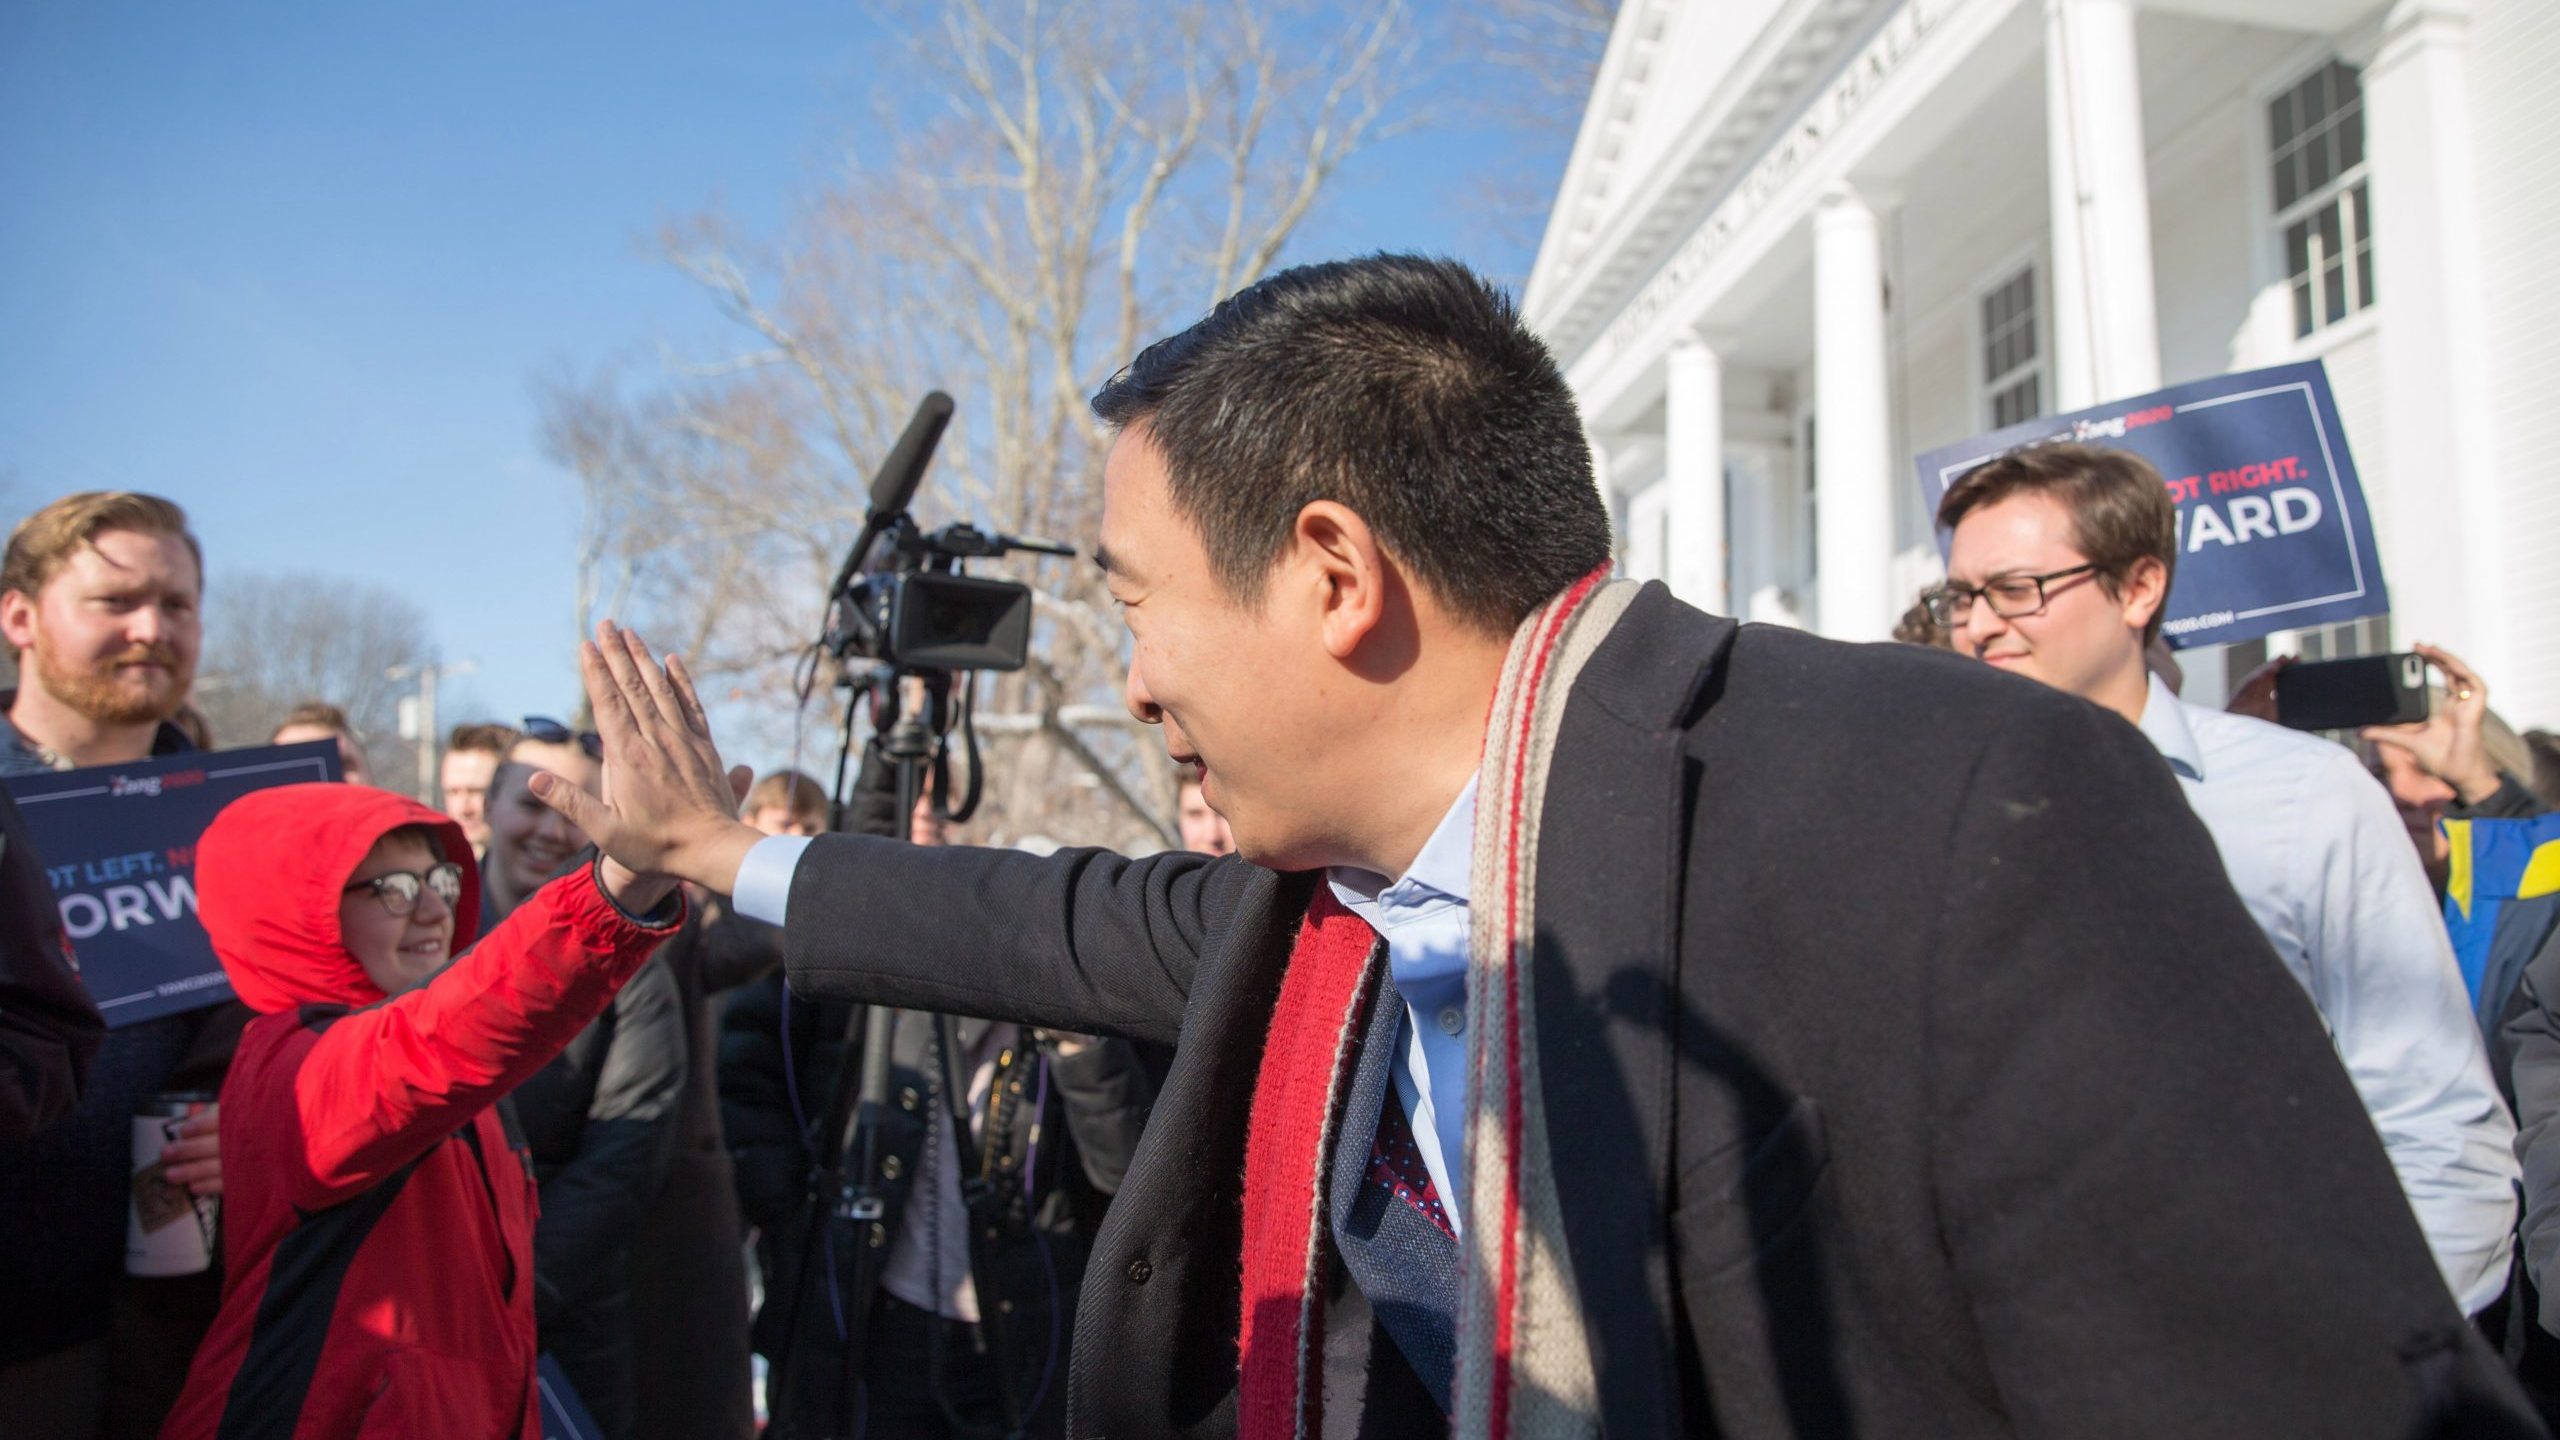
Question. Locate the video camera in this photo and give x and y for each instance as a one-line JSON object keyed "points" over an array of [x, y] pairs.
{"points": [[901, 602], [901, 598]]}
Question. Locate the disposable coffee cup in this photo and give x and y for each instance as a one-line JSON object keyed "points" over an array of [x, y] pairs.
{"points": [[168, 1231]]}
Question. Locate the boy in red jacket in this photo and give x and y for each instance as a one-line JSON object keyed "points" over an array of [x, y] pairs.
{"points": [[378, 1234]]}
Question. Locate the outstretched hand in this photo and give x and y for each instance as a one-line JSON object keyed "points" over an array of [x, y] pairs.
{"points": [[669, 808]]}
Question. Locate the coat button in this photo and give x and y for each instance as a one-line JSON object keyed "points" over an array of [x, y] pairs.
{"points": [[1139, 1270], [1452, 1020], [889, 1167], [908, 1099]]}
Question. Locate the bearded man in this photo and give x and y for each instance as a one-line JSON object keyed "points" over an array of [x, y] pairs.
{"points": [[99, 597]]}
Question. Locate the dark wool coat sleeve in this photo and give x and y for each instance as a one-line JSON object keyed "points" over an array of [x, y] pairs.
{"points": [[1082, 940]]}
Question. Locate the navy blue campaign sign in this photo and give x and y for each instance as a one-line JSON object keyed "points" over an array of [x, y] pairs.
{"points": [[119, 847], [2272, 531], [564, 1415]]}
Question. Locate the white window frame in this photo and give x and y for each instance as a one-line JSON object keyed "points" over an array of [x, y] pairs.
{"points": [[1982, 389], [2275, 267]]}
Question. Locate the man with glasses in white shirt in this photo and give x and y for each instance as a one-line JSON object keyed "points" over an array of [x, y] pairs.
{"points": [[2058, 569]]}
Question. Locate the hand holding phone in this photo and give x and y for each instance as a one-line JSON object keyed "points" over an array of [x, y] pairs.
{"points": [[2447, 744]]}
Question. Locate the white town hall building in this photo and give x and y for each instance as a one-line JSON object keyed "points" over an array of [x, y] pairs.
{"points": [[1800, 241]]}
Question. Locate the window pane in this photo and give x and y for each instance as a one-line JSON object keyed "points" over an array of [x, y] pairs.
{"points": [[2364, 214], [2288, 184], [2301, 306], [2031, 397], [2316, 96], [2350, 84], [2334, 289], [2297, 247], [2027, 340], [2327, 218], [2316, 157], [2279, 121], [2364, 273], [2351, 139]]}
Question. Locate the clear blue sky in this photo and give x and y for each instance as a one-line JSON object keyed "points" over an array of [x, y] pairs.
{"points": [[296, 266]]}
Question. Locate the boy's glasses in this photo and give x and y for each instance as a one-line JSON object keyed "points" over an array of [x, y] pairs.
{"points": [[398, 891]]}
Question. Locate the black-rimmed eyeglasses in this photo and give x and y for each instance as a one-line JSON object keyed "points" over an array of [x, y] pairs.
{"points": [[399, 890], [552, 732], [2012, 597]]}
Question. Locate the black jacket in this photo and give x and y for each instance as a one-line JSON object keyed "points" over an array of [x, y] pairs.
{"points": [[1075, 1128], [692, 1375], [1912, 1070], [49, 1028], [601, 1122]]}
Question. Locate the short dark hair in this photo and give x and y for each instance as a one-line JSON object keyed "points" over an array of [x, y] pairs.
{"points": [[2120, 507], [481, 738], [424, 834], [1403, 387]]}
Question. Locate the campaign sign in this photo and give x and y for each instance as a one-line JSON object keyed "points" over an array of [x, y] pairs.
{"points": [[2272, 531], [564, 1415], [119, 848]]}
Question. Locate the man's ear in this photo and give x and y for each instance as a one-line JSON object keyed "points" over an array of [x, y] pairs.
{"points": [[2145, 589], [18, 618], [1334, 562]]}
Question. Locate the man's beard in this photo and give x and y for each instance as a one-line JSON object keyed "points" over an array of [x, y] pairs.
{"points": [[103, 692]]}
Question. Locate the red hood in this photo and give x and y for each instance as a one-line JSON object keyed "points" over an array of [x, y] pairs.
{"points": [[269, 873]]}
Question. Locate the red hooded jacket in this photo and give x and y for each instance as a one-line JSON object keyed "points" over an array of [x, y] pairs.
{"points": [[377, 1222]]}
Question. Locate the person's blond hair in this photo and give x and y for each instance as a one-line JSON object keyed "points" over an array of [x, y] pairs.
{"points": [[45, 542], [788, 791]]}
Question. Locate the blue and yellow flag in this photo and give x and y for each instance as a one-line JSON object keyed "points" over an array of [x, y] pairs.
{"points": [[2494, 864]]}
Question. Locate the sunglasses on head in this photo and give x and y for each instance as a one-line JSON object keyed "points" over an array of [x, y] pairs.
{"points": [[552, 732]]}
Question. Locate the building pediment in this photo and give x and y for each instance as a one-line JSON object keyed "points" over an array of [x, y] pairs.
{"points": [[1689, 101]]}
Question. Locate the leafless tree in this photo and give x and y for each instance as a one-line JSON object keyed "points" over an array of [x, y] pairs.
{"points": [[275, 641], [1537, 59], [1052, 183]]}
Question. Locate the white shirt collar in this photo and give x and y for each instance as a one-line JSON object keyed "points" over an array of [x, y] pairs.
{"points": [[2164, 723]]}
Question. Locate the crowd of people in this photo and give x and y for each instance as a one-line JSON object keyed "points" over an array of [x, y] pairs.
{"points": [[1566, 1013], [638, 1109]]}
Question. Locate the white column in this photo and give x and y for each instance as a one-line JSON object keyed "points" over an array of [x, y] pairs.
{"points": [[1853, 439], [2437, 514], [2106, 323], [1693, 467]]}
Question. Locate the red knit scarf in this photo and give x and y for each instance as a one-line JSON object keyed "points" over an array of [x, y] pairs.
{"points": [[1297, 1103], [1524, 1369]]}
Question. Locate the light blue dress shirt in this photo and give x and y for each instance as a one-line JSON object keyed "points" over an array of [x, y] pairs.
{"points": [[1422, 917], [2314, 848]]}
